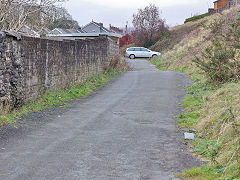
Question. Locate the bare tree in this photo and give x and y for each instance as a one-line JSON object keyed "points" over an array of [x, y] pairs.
{"points": [[147, 23], [35, 13], [60, 18]]}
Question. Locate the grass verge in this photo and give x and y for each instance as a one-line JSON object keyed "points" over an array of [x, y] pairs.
{"points": [[60, 98], [212, 111]]}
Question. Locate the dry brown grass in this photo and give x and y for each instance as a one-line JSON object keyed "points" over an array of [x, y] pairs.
{"points": [[221, 109], [118, 62], [4, 109], [222, 121]]}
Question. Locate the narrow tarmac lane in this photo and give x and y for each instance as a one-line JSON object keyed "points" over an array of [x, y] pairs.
{"points": [[125, 131]]}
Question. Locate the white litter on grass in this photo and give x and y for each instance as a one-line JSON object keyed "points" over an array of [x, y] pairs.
{"points": [[189, 136]]}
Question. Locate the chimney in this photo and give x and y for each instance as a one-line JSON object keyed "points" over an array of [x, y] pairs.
{"points": [[100, 24]]}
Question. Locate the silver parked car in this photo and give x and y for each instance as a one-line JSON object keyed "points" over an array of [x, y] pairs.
{"points": [[140, 52]]}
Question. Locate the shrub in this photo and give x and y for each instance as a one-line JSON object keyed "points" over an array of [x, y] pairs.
{"points": [[219, 62]]}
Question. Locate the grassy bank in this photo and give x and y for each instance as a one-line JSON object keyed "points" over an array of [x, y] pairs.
{"points": [[60, 98], [209, 54], [212, 112]]}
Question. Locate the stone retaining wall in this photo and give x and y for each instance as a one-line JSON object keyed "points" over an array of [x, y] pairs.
{"points": [[29, 67]]}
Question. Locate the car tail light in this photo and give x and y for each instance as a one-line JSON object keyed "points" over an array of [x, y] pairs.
{"points": [[126, 51]]}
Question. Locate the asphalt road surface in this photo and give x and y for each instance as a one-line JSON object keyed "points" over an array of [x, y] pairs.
{"points": [[124, 131]]}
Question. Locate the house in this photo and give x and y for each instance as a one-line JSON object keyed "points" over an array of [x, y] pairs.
{"points": [[75, 36], [219, 4], [27, 31], [94, 27], [225, 4], [90, 31], [115, 29], [98, 28]]}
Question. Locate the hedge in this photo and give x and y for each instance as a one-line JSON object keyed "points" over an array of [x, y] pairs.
{"points": [[194, 18]]}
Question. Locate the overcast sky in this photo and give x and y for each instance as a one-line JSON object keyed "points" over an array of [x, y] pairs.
{"points": [[118, 12]]}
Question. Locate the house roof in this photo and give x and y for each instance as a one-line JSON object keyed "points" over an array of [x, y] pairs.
{"points": [[98, 25], [219, 0], [115, 29], [86, 35], [26, 30], [66, 31]]}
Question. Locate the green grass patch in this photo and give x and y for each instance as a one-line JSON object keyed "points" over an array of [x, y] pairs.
{"points": [[218, 172], [159, 63], [59, 98], [201, 173], [180, 69], [188, 119], [207, 148], [193, 103]]}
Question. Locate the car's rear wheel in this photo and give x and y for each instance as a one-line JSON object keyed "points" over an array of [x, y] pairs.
{"points": [[132, 56]]}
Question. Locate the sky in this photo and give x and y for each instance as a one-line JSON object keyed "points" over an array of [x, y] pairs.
{"points": [[118, 13]]}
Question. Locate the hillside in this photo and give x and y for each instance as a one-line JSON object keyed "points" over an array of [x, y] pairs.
{"points": [[208, 50]]}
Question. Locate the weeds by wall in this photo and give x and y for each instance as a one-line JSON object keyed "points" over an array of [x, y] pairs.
{"points": [[31, 67], [60, 98]]}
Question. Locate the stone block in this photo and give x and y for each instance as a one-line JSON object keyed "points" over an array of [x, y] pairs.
{"points": [[32, 66]]}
